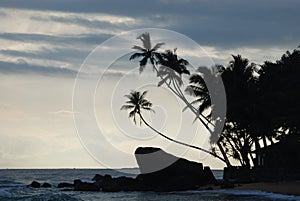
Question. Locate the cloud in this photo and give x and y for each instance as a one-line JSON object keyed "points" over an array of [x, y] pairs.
{"points": [[76, 39], [67, 55], [24, 68], [2, 14], [95, 20], [63, 112]]}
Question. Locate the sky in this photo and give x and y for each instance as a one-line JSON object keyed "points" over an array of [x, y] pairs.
{"points": [[61, 94]]}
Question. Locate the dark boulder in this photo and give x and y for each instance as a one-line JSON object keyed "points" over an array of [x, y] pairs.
{"points": [[208, 176], [46, 185], [225, 184], [98, 177], [101, 180], [126, 183], [85, 186], [35, 184], [65, 185], [161, 171], [111, 186]]}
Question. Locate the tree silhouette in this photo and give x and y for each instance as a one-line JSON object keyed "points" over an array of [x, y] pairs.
{"points": [[137, 102], [147, 52], [171, 69], [197, 88], [262, 101]]}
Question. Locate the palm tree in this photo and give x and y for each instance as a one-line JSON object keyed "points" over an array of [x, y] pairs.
{"points": [[137, 103], [147, 52], [171, 68], [170, 72], [198, 88]]}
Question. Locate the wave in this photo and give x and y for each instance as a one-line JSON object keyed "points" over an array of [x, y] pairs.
{"points": [[4, 193], [9, 183], [49, 196]]}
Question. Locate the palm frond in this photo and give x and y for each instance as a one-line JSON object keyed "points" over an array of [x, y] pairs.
{"points": [[196, 78], [126, 107], [150, 109], [203, 106], [145, 38], [178, 80], [132, 115], [143, 63], [158, 45], [183, 62], [143, 94], [136, 55], [136, 47], [141, 69], [158, 57], [185, 71]]}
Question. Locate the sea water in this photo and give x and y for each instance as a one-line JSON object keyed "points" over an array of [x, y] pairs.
{"points": [[14, 186]]}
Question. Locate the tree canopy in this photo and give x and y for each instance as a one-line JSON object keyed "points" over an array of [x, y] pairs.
{"points": [[262, 100]]}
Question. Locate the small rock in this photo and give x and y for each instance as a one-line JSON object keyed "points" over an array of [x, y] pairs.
{"points": [[35, 184], [46, 185]]}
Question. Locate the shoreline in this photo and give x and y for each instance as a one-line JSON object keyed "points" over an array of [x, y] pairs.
{"points": [[282, 187]]}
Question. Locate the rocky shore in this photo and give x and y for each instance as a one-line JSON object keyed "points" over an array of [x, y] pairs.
{"points": [[160, 171], [178, 175]]}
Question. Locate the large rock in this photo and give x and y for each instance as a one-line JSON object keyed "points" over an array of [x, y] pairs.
{"points": [[85, 186], [109, 184], [102, 180], [98, 177], [208, 176], [161, 171], [126, 183]]}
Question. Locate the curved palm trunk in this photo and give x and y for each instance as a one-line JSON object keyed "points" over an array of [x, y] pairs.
{"points": [[178, 142], [179, 93], [225, 157]]}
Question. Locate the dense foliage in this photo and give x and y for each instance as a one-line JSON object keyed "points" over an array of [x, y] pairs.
{"points": [[262, 100]]}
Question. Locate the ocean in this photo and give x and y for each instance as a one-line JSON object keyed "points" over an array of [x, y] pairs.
{"points": [[14, 186]]}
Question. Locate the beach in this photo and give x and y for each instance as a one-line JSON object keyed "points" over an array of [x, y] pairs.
{"points": [[282, 187]]}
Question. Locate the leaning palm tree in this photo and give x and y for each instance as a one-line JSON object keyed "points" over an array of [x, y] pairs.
{"points": [[198, 88], [137, 102], [147, 52], [171, 69]]}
